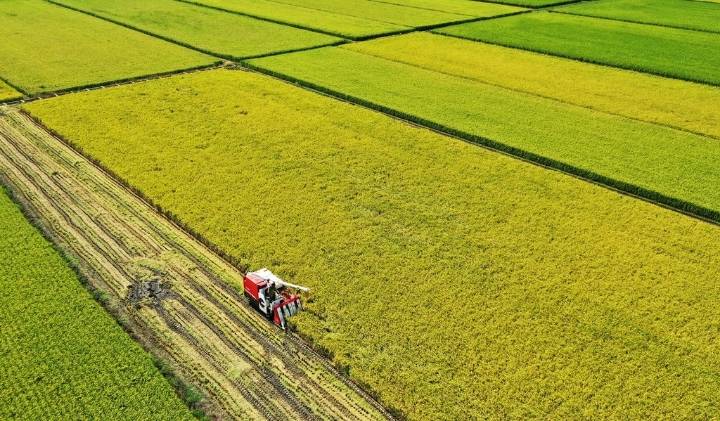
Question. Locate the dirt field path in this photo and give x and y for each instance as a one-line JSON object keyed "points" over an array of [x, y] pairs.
{"points": [[176, 295]]}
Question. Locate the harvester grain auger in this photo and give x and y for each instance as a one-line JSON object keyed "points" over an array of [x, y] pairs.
{"points": [[271, 296]]}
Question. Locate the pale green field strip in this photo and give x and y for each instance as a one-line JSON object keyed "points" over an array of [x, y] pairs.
{"points": [[674, 13], [61, 354], [630, 94], [7, 92], [212, 31], [670, 52], [576, 301], [47, 48], [671, 166], [356, 19]]}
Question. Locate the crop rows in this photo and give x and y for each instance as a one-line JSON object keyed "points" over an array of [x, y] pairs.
{"points": [[197, 320], [629, 94], [355, 19], [563, 281], [70, 49], [219, 33], [696, 15], [631, 155], [61, 354], [670, 52]]}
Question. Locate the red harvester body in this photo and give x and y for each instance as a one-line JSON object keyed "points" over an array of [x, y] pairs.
{"points": [[270, 296]]}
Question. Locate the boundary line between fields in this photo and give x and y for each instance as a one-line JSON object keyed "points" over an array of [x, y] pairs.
{"points": [[637, 22], [584, 60], [627, 189], [404, 30], [111, 84], [17, 89]]}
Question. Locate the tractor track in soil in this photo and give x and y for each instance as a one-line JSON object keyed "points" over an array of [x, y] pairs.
{"points": [[202, 326]]}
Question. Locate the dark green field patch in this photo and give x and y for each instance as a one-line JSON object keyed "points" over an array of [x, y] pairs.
{"points": [[663, 51]]}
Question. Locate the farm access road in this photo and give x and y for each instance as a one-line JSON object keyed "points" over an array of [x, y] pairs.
{"points": [[174, 294]]}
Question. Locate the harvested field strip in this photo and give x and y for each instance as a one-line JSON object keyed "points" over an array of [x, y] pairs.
{"points": [[244, 365], [669, 166], [362, 208], [61, 354], [629, 94], [218, 33], [70, 49], [670, 52], [673, 13], [352, 19]]}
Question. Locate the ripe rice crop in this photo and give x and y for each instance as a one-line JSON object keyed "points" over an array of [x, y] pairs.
{"points": [[7, 92], [448, 278], [61, 355], [673, 166], [696, 15], [671, 52], [630, 94], [216, 32], [354, 18], [63, 49], [460, 7]]}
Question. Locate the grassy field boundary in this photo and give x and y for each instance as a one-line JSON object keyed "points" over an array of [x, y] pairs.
{"points": [[365, 37], [185, 390], [647, 195], [639, 22], [187, 394], [586, 60], [110, 84], [18, 89], [187, 45]]}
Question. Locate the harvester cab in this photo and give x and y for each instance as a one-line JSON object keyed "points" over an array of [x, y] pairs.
{"points": [[271, 296]]}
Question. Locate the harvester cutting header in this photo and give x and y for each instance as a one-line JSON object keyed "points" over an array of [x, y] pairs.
{"points": [[271, 296]]}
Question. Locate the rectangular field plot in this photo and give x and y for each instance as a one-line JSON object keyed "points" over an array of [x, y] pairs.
{"points": [[674, 166], [630, 94], [219, 33], [696, 15], [671, 52], [566, 286], [46, 48], [356, 18], [61, 355]]}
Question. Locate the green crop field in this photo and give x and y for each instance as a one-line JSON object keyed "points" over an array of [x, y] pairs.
{"points": [[356, 18], [632, 154], [630, 94], [671, 52], [213, 31], [451, 279], [61, 355], [7, 92], [45, 48], [696, 15]]}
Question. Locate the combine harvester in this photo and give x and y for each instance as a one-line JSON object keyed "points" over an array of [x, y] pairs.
{"points": [[270, 295]]}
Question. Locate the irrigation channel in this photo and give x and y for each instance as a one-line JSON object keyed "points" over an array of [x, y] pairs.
{"points": [[177, 297]]}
